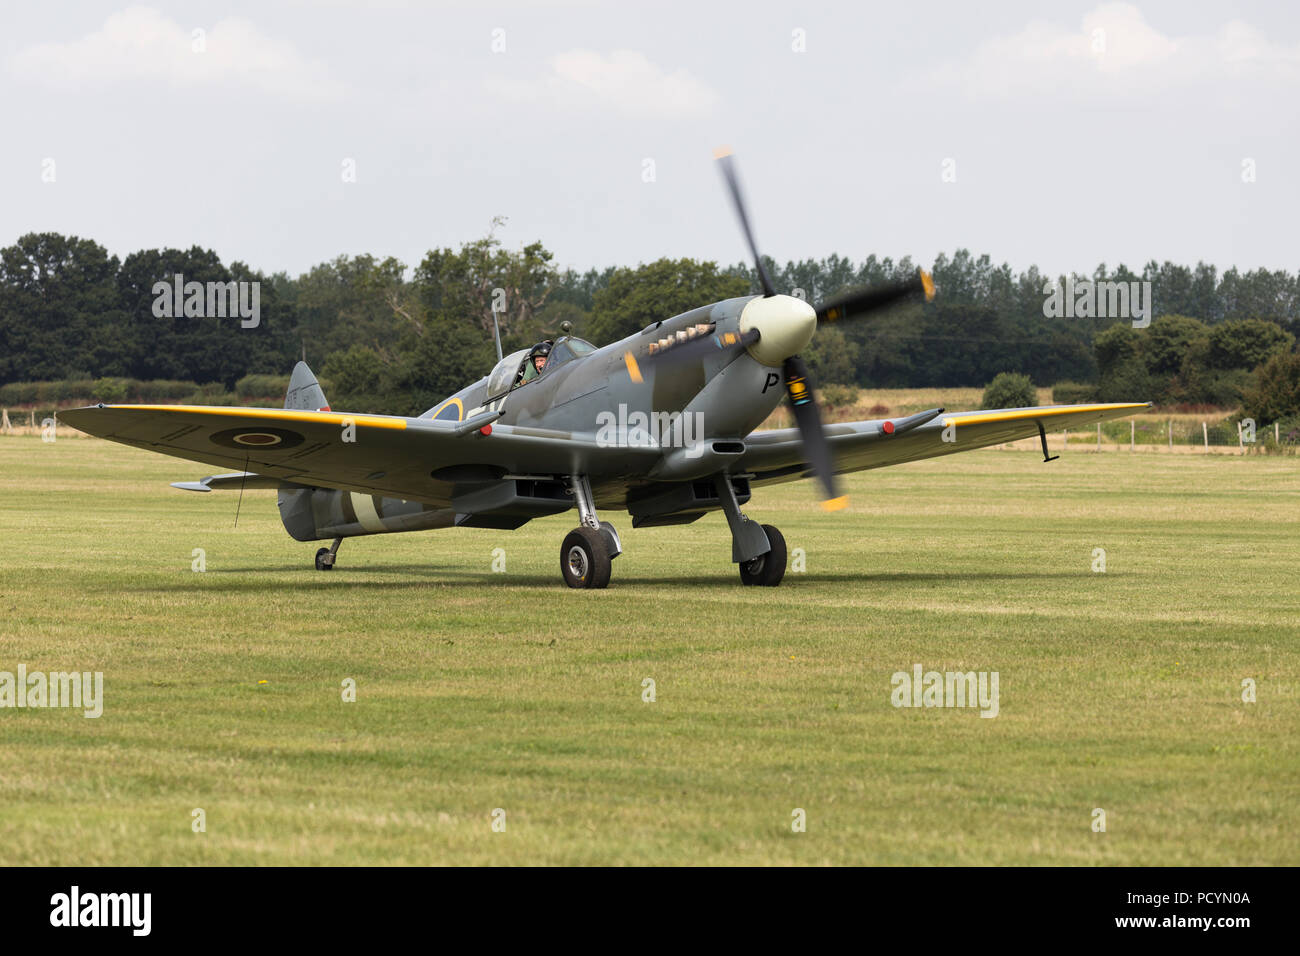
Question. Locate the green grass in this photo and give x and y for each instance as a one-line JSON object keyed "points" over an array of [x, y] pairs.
{"points": [[479, 690]]}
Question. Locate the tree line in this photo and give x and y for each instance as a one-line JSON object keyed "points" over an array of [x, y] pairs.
{"points": [[390, 338]]}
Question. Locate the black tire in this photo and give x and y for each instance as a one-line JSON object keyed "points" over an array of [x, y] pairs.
{"points": [[768, 569], [320, 560], [584, 559]]}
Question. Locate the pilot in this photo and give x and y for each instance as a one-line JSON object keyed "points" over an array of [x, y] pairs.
{"points": [[537, 357]]}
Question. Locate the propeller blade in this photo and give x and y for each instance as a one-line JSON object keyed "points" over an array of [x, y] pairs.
{"points": [[868, 300], [808, 418], [723, 156]]}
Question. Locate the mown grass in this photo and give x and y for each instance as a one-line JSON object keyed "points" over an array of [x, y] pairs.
{"points": [[478, 690]]}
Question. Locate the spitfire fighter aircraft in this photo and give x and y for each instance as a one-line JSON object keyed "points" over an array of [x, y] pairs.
{"points": [[660, 424]]}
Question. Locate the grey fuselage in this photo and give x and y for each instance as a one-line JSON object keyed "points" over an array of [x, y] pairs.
{"points": [[714, 403], [724, 398]]}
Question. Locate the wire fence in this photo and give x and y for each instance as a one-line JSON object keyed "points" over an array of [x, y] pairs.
{"points": [[1182, 433]]}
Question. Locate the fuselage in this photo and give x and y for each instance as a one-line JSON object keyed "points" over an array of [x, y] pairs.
{"points": [[714, 398]]}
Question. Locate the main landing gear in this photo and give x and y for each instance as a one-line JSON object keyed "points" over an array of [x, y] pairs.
{"points": [[325, 556], [768, 569], [589, 550], [757, 549]]}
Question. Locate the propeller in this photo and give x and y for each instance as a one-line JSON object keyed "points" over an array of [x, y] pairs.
{"points": [[855, 304], [728, 166], [852, 305], [775, 327], [808, 419]]}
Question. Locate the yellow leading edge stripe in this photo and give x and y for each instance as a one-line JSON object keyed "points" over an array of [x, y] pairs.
{"points": [[836, 504], [980, 418], [277, 414]]}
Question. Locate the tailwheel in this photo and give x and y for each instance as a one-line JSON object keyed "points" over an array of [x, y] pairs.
{"points": [[768, 569], [325, 557], [584, 558]]}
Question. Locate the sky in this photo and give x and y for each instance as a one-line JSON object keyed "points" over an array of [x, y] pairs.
{"points": [[283, 134]]}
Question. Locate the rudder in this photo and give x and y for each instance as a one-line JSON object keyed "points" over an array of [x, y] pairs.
{"points": [[305, 393]]}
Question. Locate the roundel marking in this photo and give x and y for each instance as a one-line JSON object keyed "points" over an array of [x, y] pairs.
{"points": [[252, 438], [258, 438], [452, 410]]}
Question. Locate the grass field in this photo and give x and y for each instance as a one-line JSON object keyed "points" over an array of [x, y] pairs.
{"points": [[479, 690]]}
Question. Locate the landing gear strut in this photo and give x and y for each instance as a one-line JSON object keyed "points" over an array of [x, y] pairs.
{"points": [[325, 556], [587, 555], [758, 550]]}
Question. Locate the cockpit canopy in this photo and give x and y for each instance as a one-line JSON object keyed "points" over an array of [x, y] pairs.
{"points": [[501, 378], [566, 350], [509, 372]]}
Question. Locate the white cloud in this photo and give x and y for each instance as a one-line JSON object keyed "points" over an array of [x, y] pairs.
{"points": [[624, 81], [1115, 51], [139, 43]]}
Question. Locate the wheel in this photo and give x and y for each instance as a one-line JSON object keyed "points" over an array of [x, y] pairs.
{"points": [[321, 564], [584, 559], [766, 570]]}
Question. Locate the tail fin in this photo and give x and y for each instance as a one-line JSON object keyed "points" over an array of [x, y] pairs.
{"points": [[296, 512], [305, 393]]}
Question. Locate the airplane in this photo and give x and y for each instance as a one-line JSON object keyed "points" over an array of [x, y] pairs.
{"points": [[661, 424]]}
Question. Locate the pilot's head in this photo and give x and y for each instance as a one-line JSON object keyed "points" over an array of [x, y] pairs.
{"points": [[539, 354]]}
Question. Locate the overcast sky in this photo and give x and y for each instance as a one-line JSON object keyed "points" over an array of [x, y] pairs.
{"points": [[1078, 133]]}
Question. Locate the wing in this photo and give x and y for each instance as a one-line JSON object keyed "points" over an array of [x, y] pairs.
{"points": [[416, 459], [777, 455]]}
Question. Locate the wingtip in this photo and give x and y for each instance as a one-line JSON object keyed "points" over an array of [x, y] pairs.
{"points": [[836, 504], [722, 152]]}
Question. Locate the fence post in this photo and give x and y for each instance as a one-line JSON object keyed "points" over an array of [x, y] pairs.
{"points": [[1132, 433], [1276, 438], [1240, 446], [1099, 436], [1171, 434], [1065, 438], [1205, 434]]}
